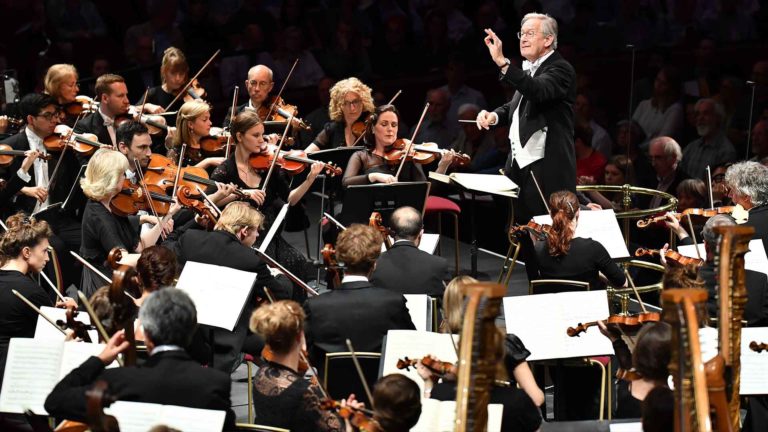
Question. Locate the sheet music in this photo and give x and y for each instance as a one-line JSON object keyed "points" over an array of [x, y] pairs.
{"points": [[416, 344], [541, 322], [418, 308], [31, 371], [754, 370], [488, 183], [428, 243], [219, 293], [141, 417], [44, 330], [755, 259], [274, 228], [626, 427], [440, 416], [599, 225]]}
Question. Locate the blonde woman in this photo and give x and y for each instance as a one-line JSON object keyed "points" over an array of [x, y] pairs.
{"points": [[192, 123], [174, 74], [60, 83], [104, 230], [351, 102]]}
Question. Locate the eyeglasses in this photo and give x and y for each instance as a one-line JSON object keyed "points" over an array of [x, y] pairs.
{"points": [[528, 35], [350, 104], [49, 115], [258, 84]]}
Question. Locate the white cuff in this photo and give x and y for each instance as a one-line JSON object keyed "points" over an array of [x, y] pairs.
{"points": [[24, 175], [497, 118]]}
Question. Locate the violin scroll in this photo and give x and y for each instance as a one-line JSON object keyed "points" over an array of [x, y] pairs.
{"points": [[758, 347]]}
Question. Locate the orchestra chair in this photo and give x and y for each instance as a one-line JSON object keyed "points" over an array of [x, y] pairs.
{"points": [[439, 205], [550, 286], [249, 362], [258, 428], [341, 378]]}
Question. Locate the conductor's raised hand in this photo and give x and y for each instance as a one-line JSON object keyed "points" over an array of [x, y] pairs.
{"points": [[493, 43], [485, 119]]}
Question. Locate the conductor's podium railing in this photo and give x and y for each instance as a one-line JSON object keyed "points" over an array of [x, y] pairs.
{"points": [[624, 294]]}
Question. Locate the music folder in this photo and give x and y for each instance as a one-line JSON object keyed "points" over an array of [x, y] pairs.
{"points": [[362, 200]]}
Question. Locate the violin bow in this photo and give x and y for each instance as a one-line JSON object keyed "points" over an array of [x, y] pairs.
{"points": [[178, 169], [413, 137], [53, 287], [280, 93], [277, 155], [189, 83], [52, 178], [231, 119], [36, 309], [207, 199], [634, 289], [338, 224], [368, 120], [751, 112], [271, 261], [693, 236], [143, 187], [90, 266], [709, 187], [359, 371], [541, 194], [143, 102]]}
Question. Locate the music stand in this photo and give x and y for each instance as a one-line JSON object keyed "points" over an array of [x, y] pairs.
{"points": [[361, 200], [338, 156]]}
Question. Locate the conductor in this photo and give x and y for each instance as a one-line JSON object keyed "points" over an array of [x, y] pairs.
{"points": [[540, 115]]}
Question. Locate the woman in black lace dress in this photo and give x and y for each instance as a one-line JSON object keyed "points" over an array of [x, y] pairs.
{"points": [[282, 396]]}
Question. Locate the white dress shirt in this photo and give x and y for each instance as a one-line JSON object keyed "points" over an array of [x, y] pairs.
{"points": [[40, 166]]}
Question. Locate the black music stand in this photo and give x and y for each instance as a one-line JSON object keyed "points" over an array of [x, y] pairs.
{"points": [[361, 200]]}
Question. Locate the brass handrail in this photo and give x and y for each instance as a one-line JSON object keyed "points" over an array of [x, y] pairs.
{"points": [[627, 190]]}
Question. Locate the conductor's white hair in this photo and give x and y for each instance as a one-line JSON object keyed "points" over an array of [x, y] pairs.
{"points": [[548, 25]]}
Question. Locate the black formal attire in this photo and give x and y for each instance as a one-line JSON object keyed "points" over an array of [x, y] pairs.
{"points": [[520, 413], [544, 103], [168, 378], [156, 95], [224, 249], [644, 201], [627, 406], [756, 309], [284, 398], [16, 318], [406, 269], [364, 162], [332, 134], [758, 218], [94, 123], [103, 231], [358, 311], [584, 260]]}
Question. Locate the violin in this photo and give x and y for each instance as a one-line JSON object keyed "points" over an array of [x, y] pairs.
{"points": [[628, 374], [360, 418], [63, 136], [539, 230], [358, 128], [195, 91], [628, 324], [670, 255], [154, 123], [705, 213], [331, 265], [268, 355], [422, 153], [278, 111], [437, 367], [80, 329], [81, 104], [7, 153], [215, 144], [161, 171], [375, 221], [187, 200], [758, 347], [132, 198], [292, 161]]}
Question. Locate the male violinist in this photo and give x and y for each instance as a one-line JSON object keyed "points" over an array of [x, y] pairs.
{"points": [[259, 84]]}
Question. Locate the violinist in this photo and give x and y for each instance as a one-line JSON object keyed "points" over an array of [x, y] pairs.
{"points": [[60, 83], [259, 85], [563, 256], [248, 132], [174, 74], [371, 166], [649, 361], [192, 123], [748, 186], [104, 230], [351, 104], [168, 377], [282, 397], [112, 95], [396, 403]]}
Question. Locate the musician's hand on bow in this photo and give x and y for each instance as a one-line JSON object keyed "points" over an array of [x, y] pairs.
{"points": [[151, 108], [37, 192], [257, 195], [68, 302], [493, 43], [29, 160], [485, 119], [116, 344], [272, 138], [663, 254]]}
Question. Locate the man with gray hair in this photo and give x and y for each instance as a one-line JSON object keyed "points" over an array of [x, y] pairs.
{"points": [[540, 114], [406, 269], [665, 155], [748, 186], [712, 147], [168, 377], [435, 127]]}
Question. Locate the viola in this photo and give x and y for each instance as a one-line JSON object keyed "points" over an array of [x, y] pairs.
{"points": [[670, 255], [63, 136], [187, 200], [375, 221], [628, 324], [331, 265], [758, 347], [132, 198], [7, 153], [437, 367], [422, 153], [539, 230], [360, 418], [81, 104], [292, 161], [700, 212], [278, 111]]}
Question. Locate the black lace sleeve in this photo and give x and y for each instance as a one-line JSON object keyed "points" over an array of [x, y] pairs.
{"points": [[316, 418], [515, 353], [355, 174]]}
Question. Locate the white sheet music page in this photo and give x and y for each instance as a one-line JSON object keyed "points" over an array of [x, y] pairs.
{"points": [[541, 322], [440, 416], [44, 329], [141, 417], [417, 308], [31, 371], [219, 293], [755, 259], [428, 243], [416, 344], [599, 225], [490, 183], [754, 366], [274, 228]]}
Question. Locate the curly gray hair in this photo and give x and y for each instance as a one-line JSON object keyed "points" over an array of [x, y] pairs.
{"points": [[749, 179]]}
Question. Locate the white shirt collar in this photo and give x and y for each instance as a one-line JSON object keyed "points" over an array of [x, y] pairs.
{"points": [[35, 142], [534, 65], [107, 119], [164, 348], [354, 278]]}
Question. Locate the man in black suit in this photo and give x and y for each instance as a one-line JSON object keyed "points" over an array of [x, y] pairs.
{"points": [[356, 310], [665, 155], [229, 245], [406, 269], [168, 377], [112, 94], [748, 185], [540, 114]]}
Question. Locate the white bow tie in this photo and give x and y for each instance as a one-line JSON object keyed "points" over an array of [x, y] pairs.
{"points": [[531, 66], [108, 122]]}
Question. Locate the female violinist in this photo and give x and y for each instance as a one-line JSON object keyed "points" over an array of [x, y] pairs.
{"points": [[351, 104], [281, 395], [192, 124], [371, 165], [248, 132], [104, 230], [174, 73], [563, 256], [60, 83]]}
